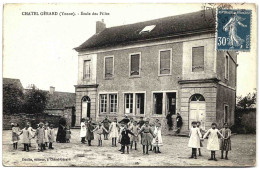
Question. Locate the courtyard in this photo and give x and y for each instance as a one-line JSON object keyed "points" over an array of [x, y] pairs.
{"points": [[174, 153]]}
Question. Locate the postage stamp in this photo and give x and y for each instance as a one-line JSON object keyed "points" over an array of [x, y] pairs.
{"points": [[233, 29]]}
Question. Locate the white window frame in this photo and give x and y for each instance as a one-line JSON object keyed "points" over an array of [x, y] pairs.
{"points": [[164, 109], [140, 64], [225, 114], [134, 102], [227, 58], [159, 62], [204, 59], [84, 69], [108, 104], [114, 103], [104, 71]]}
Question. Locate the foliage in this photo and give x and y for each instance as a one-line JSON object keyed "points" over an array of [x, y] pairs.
{"points": [[35, 100], [12, 99], [246, 102]]}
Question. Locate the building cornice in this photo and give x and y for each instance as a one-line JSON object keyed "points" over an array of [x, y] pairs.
{"points": [[212, 80], [87, 86]]}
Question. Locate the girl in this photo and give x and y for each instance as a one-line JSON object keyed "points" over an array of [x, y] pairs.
{"points": [[225, 144], [106, 123], [90, 134], [100, 129], [125, 139], [15, 136], [113, 129], [201, 131], [40, 137], [157, 141], [83, 131], [194, 141], [134, 138], [26, 138], [146, 139], [51, 136], [68, 134], [213, 143], [122, 125], [46, 139]]}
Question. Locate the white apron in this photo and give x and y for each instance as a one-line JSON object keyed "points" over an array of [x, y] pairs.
{"points": [[83, 130]]}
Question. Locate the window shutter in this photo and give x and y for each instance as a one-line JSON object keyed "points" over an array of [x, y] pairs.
{"points": [[109, 67], [197, 59], [165, 62], [135, 59]]}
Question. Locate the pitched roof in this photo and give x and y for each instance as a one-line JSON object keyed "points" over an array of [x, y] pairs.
{"points": [[169, 27], [60, 100], [16, 82]]}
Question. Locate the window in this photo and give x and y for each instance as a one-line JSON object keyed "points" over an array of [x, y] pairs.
{"points": [[226, 111], [129, 103], [103, 103], [158, 103], [135, 60], [113, 103], [147, 29], [140, 103], [165, 62], [109, 67], [197, 59], [86, 69], [171, 103], [227, 67], [197, 97]]}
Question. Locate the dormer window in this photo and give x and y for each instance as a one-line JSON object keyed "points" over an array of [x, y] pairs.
{"points": [[147, 29]]}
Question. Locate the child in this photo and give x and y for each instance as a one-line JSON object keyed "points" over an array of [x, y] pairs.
{"points": [[213, 143], [157, 141], [125, 139], [106, 123], [194, 141], [83, 131], [89, 135], [113, 129], [134, 138], [40, 137], [201, 131], [31, 130], [68, 134], [122, 125], [51, 136], [146, 139], [100, 129], [15, 136], [26, 138], [225, 144], [46, 139]]}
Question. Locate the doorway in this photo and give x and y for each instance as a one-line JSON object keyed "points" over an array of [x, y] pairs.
{"points": [[197, 110], [85, 107]]}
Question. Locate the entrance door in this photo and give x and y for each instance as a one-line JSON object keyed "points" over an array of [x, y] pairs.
{"points": [[197, 111], [85, 110]]}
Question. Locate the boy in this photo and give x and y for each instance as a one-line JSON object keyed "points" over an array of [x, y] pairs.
{"points": [[125, 139], [134, 138]]}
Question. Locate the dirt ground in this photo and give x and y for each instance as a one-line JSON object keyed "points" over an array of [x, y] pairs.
{"points": [[174, 153]]}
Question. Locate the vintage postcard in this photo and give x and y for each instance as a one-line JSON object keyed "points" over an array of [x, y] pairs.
{"points": [[129, 85]]}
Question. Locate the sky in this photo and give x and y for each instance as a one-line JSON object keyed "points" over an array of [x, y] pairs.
{"points": [[38, 49]]}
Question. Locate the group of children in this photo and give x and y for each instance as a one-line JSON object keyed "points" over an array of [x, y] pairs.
{"points": [[126, 132], [44, 134], [213, 145]]}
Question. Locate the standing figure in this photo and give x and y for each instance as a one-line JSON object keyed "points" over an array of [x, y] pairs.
{"points": [[157, 140], [40, 137], [90, 134], [26, 138], [46, 134], [15, 135], [146, 139], [106, 123], [100, 129], [125, 139], [169, 120], [194, 141], [179, 123], [68, 134], [201, 132], [83, 130], [51, 136], [134, 138], [61, 134], [225, 144], [113, 129], [122, 125], [31, 131], [213, 142]]}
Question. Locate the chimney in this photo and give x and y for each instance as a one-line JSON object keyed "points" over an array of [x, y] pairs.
{"points": [[100, 26], [52, 89]]}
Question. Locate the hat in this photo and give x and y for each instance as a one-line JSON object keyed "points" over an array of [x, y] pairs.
{"points": [[12, 124], [41, 123]]}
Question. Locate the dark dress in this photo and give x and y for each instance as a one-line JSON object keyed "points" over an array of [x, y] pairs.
{"points": [[61, 134], [106, 125], [125, 139], [90, 134], [169, 120], [225, 144], [179, 121], [141, 123], [125, 121]]}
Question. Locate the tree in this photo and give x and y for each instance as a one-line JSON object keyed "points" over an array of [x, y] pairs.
{"points": [[247, 101], [12, 99], [35, 100]]}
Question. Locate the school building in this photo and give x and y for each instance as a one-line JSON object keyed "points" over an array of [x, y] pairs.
{"points": [[153, 68]]}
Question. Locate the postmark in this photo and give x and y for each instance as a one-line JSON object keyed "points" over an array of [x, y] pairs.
{"points": [[233, 29]]}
